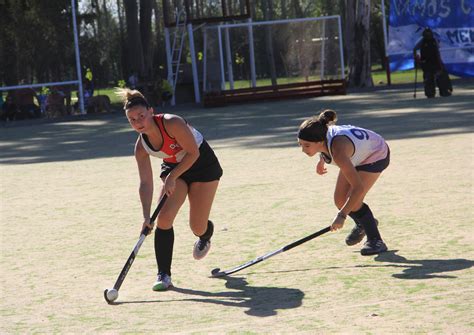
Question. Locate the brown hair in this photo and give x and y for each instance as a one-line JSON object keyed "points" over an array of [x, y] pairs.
{"points": [[315, 128], [131, 98]]}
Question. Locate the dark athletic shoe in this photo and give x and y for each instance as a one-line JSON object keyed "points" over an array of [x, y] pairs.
{"points": [[372, 247], [202, 246], [357, 234]]}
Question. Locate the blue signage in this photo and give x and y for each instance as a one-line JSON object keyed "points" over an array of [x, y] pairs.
{"points": [[452, 22]]}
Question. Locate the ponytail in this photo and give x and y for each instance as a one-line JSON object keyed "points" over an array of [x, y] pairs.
{"points": [[315, 128], [131, 98], [328, 117]]}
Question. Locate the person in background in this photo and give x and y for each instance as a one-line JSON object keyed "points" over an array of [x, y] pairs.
{"points": [[24, 99], [9, 109], [133, 81], [55, 103], [88, 86], [434, 73], [166, 92], [65, 91]]}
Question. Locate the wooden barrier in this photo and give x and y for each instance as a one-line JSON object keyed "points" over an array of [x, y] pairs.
{"points": [[286, 91]]}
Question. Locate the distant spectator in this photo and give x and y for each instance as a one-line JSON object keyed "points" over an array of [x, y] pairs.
{"points": [[55, 103], [88, 84], [9, 109], [89, 75], [166, 91], [24, 100], [66, 92], [42, 99], [133, 81], [76, 106], [434, 72]]}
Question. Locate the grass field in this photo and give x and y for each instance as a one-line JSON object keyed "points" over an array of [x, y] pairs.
{"points": [[70, 215]]}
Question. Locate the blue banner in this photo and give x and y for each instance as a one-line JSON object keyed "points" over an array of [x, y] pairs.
{"points": [[452, 22]]}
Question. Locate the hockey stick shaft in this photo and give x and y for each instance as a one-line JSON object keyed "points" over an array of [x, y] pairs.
{"points": [[271, 254], [134, 253]]}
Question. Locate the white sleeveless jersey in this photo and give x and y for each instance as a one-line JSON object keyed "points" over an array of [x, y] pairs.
{"points": [[369, 147]]}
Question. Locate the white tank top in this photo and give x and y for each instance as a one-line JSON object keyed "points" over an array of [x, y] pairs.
{"points": [[369, 147]]}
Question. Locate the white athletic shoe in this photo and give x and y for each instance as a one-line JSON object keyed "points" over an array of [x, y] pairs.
{"points": [[163, 282], [201, 248], [202, 245]]}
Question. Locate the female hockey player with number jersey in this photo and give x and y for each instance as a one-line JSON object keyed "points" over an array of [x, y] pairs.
{"points": [[361, 156]]}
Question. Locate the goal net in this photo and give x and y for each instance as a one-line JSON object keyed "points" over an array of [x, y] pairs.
{"points": [[271, 53]]}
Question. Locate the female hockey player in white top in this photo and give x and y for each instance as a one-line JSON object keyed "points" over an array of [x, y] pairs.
{"points": [[361, 156]]}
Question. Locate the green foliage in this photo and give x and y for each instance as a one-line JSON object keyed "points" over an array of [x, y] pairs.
{"points": [[121, 83], [239, 59], [45, 90], [39, 36]]}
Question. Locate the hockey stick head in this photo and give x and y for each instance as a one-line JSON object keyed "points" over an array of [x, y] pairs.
{"points": [[217, 273], [110, 295]]}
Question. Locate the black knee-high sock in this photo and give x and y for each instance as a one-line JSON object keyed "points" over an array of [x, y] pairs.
{"points": [[209, 231], [365, 218], [164, 240], [353, 215]]}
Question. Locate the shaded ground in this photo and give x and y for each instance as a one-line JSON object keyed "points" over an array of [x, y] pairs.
{"points": [[261, 125]]}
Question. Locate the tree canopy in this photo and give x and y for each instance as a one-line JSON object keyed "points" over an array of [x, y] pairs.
{"points": [[120, 37]]}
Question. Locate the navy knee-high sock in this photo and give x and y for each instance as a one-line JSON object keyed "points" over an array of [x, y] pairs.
{"points": [[164, 240], [365, 218]]}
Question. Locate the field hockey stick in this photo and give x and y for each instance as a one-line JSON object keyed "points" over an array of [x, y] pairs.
{"points": [[218, 273], [111, 295]]}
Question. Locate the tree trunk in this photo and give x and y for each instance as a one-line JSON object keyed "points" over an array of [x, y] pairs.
{"points": [[242, 7], [377, 38], [284, 11], [122, 57], [298, 11], [359, 44], [97, 25], [8, 65], [134, 42], [146, 7], [349, 10], [160, 49], [253, 10], [267, 9]]}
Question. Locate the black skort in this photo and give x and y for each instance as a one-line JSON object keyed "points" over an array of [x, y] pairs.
{"points": [[205, 169], [377, 166]]}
